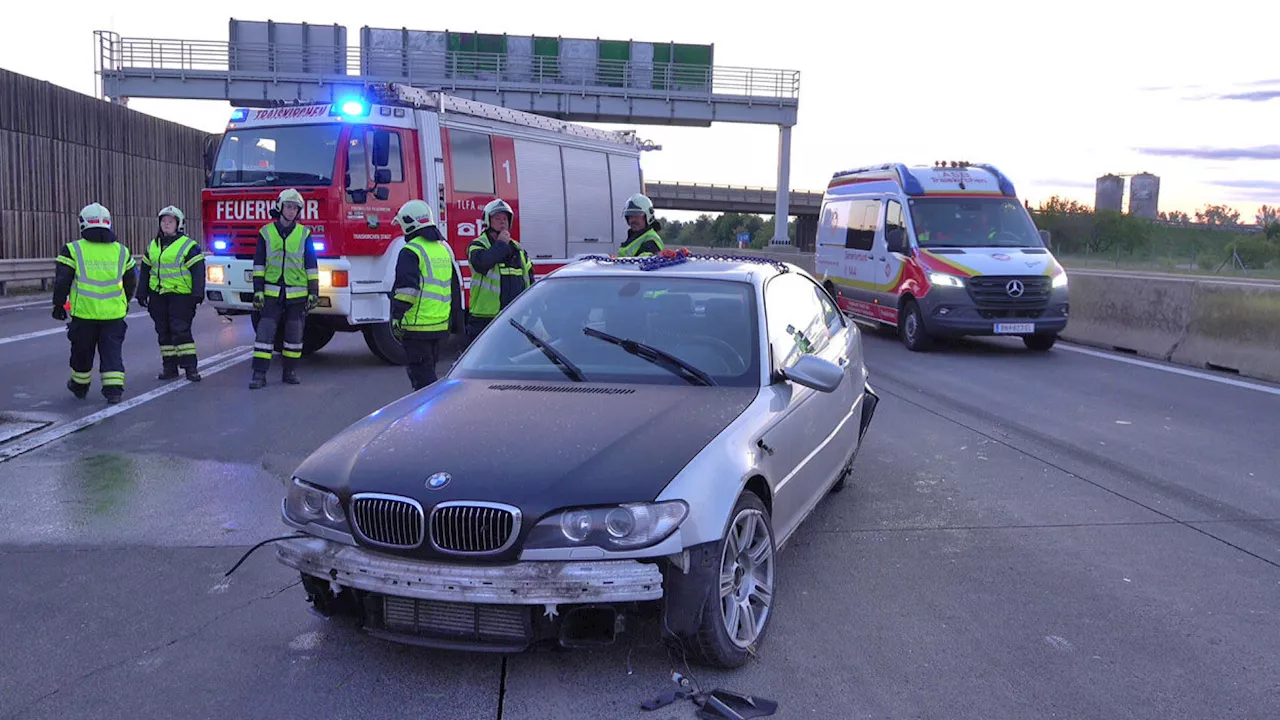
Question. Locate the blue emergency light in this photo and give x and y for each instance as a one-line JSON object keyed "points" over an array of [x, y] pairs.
{"points": [[240, 115], [319, 246], [219, 245], [353, 107]]}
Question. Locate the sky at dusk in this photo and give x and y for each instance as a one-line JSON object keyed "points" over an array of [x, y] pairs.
{"points": [[1054, 94]]}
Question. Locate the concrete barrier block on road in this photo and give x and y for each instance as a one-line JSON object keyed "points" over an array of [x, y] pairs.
{"points": [[1234, 326], [1147, 316]]}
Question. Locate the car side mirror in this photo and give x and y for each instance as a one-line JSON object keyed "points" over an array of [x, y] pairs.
{"points": [[381, 148], [1046, 238], [896, 241], [812, 371]]}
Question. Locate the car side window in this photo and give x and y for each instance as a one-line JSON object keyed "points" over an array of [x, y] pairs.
{"points": [[831, 314], [796, 319]]}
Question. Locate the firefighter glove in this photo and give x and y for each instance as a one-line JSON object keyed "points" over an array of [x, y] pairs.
{"points": [[396, 330], [312, 302], [59, 312], [143, 299], [258, 301]]}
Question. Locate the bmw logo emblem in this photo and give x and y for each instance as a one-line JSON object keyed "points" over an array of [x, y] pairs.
{"points": [[439, 480]]}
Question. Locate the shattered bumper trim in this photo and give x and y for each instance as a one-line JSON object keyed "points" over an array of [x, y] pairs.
{"points": [[524, 583]]}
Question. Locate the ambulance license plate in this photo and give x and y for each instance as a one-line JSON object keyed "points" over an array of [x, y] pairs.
{"points": [[1015, 328]]}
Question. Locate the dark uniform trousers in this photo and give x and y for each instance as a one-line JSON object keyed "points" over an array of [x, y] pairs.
{"points": [[423, 352], [475, 326], [105, 338], [292, 314], [173, 314]]}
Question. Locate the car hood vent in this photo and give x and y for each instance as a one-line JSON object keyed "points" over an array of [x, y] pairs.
{"points": [[946, 251], [564, 389]]}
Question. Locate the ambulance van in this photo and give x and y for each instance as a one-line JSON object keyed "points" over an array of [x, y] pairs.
{"points": [[941, 251]]}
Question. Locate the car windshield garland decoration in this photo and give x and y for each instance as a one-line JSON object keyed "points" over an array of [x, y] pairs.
{"points": [[655, 356], [555, 356]]}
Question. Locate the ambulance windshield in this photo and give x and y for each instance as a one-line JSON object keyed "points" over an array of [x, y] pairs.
{"points": [[283, 156], [972, 222]]}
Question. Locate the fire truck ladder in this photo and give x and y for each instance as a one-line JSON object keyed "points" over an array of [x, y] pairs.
{"points": [[400, 94]]}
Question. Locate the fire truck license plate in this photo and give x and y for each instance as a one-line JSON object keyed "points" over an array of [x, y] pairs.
{"points": [[1015, 328]]}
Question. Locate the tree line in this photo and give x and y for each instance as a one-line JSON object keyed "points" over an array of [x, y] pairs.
{"points": [[721, 231], [1215, 238]]}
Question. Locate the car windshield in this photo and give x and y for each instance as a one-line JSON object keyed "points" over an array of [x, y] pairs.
{"points": [[972, 222], [277, 156], [700, 329]]}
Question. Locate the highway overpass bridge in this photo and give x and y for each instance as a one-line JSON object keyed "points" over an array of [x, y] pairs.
{"points": [[803, 205]]}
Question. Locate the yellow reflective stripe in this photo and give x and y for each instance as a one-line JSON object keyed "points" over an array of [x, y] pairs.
{"points": [[185, 349], [82, 377], [260, 355], [66, 261], [167, 351], [292, 354], [112, 378]]}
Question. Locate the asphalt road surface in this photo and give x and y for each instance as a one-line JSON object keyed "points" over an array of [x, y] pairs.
{"points": [[1067, 535]]}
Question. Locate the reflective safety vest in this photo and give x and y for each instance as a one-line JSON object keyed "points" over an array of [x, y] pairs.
{"points": [[169, 274], [285, 256], [97, 293], [430, 302], [632, 249], [486, 289]]}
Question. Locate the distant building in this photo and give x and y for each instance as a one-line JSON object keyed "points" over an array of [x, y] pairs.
{"points": [[1110, 193], [1144, 195]]}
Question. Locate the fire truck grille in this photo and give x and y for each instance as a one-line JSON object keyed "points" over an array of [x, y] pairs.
{"points": [[472, 528], [387, 520], [462, 623]]}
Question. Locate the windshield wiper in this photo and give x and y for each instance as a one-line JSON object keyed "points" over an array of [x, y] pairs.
{"points": [[655, 356], [555, 356]]}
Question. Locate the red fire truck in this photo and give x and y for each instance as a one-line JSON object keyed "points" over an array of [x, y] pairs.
{"points": [[358, 160]]}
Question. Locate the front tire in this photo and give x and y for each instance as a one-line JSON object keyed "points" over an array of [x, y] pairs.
{"points": [[911, 328], [739, 603], [384, 345], [1039, 343]]}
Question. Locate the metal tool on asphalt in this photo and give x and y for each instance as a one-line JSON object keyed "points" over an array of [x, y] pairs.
{"points": [[718, 704]]}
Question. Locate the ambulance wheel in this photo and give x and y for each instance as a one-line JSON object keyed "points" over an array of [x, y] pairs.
{"points": [[1040, 342], [383, 344], [911, 327], [315, 337]]}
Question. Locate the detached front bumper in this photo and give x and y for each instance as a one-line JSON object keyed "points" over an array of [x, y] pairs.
{"points": [[522, 583]]}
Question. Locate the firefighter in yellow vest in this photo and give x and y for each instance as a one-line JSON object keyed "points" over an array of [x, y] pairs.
{"points": [[426, 304], [170, 286], [97, 273], [500, 268], [642, 228], [286, 286]]}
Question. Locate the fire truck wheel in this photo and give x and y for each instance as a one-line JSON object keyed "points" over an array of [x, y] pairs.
{"points": [[383, 344], [315, 337]]}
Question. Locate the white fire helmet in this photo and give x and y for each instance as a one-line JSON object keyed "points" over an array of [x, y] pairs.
{"points": [[95, 216], [414, 215], [497, 206], [287, 196], [638, 204], [177, 215]]}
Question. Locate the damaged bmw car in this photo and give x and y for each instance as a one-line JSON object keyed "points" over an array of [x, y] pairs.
{"points": [[630, 440]]}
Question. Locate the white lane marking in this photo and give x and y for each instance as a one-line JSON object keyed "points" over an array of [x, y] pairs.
{"points": [[51, 331], [1171, 369], [209, 366]]}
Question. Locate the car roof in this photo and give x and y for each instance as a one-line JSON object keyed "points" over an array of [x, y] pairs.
{"points": [[749, 269]]}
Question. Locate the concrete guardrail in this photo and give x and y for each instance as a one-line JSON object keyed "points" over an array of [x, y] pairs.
{"points": [[1203, 322]]}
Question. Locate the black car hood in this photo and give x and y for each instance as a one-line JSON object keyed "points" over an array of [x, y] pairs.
{"points": [[538, 446]]}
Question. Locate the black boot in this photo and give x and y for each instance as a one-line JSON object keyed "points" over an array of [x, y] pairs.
{"points": [[193, 375], [80, 391], [170, 371], [290, 376], [259, 379]]}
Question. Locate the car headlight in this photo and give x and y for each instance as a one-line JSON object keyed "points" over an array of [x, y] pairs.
{"points": [[945, 280], [620, 527], [1060, 280], [215, 275], [306, 503]]}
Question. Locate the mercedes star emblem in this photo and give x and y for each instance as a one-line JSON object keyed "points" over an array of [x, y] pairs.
{"points": [[439, 480], [1014, 288]]}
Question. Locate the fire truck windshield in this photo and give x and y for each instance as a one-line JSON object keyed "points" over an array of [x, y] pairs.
{"points": [[277, 156]]}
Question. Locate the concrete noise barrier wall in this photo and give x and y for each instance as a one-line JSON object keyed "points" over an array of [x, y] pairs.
{"points": [[1233, 326], [1141, 315]]}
